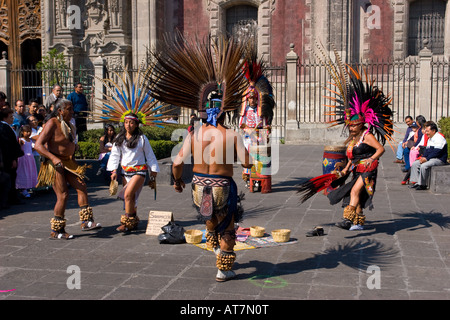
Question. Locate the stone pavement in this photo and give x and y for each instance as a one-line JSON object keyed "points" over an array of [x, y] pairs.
{"points": [[404, 252]]}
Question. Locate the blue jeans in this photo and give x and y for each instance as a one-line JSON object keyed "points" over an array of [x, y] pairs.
{"points": [[400, 151], [104, 160], [406, 158]]}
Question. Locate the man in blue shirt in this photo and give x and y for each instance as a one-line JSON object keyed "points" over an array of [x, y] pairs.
{"points": [[402, 145], [80, 106]]}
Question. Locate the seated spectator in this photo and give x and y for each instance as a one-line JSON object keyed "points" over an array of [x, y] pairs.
{"points": [[106, 143], [413, 140], [192, 123], [435, 154], [408, 120], [415, 153]]}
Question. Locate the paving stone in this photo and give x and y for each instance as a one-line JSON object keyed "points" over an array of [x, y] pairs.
{"points": [[406, 236]]}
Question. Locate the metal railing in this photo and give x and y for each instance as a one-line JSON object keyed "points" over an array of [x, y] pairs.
{"points": [[398, 79], [36, 83], [440, 88]]}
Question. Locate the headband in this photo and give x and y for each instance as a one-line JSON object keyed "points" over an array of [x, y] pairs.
{"points": [[131, 117]]}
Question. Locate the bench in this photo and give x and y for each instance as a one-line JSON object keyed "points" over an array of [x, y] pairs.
{"points": [[440, 179]]}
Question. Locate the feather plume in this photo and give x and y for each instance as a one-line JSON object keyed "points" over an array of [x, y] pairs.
{"points": [[315, 185], [128, 95], [358, 95], [186, 71], [255, 72]]}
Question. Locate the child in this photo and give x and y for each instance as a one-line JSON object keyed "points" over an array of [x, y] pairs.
{"points": [[106, 143], [26, 167], [35, 131], [132, 150]]}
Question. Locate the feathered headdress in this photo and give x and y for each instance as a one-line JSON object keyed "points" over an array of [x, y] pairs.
{"points": [[357, 99], [199, 74], [259, 86], [126, 96]]}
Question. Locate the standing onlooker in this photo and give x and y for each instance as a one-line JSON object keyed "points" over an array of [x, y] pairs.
{"points": [[20, 115], [35, 130], [2, 99], [54, 97], [5, 184], [435, 154], [33, 110], [80, 106], [408, 120], [26, 167], [42, 112], [10, 149]]}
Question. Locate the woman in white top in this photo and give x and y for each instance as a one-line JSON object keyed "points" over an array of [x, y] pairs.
{"points": [[132, 150]]}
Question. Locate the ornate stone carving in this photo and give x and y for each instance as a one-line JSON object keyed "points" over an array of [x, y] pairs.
{"points": [[29, 18], [4, 23]]}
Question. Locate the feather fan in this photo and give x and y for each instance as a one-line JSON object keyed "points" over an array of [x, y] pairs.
{"points": [[186, 71], [125, 96]]}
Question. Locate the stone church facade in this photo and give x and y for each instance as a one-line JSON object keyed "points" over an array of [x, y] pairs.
{"points": [[122, 31]]}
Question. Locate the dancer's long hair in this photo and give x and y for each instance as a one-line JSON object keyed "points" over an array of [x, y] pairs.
{"points": [[133, 141]]}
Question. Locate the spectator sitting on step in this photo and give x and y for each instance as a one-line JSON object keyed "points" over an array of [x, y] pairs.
{"points": [[414, 139], [408, 120], [106, 143], [435, 154], [415, 153]]}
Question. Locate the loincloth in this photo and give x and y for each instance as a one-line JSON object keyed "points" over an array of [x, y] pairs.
{"points": [[47, 172], [215, 195]]}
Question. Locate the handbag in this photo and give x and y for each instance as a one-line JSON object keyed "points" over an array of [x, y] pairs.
{"points": [[172, 234], [410, 144]]}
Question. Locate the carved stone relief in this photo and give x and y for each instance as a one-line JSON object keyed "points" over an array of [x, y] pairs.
{"points": [[4, 23], [29, 18]]}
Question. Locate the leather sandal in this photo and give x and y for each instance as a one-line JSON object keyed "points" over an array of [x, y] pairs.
{"points": [[316, 232], [90, 225], [61, 235]]}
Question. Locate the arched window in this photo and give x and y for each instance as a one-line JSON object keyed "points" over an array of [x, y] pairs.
{"points": [[426, 21], [242, 20]]}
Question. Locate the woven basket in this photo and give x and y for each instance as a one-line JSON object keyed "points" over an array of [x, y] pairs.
{"points": [[193, 236], [281, 235], [113, 187], [257, 232]]}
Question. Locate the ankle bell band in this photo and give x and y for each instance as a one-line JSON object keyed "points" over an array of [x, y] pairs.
{"points": [[86, 214], [129, 221], [57, 224], [225, 260]]}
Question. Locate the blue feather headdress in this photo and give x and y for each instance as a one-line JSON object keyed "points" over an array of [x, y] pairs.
{"points": [[126, 96]]}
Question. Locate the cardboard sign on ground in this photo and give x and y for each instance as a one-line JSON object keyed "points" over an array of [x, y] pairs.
{"points": [[157, 220]]}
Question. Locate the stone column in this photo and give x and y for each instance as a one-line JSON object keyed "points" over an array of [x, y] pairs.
{"points": [[144, 35], [5, 80], [447, 31], [291, 88], [425, 81], [99, 64]]}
